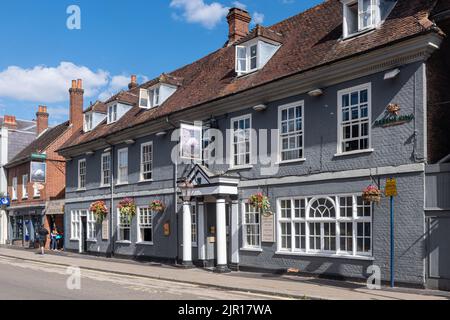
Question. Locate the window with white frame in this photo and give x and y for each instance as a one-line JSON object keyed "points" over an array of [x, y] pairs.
{"points": [[154, 97], [36, 191], [145, 225], [241, 141], [335, 225], [246, 58], [146, 161], [112, 113], [14, 188], [291, 132], [106, 169], [88, 122], [24, 186], [82, 174], [91, 222], [122, 166], [124, 226], [75, 218], [251, 227], [354, 116], [144, 100], [194, 224]]}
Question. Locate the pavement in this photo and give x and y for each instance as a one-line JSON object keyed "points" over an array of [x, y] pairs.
{"points": [[286, 286]]}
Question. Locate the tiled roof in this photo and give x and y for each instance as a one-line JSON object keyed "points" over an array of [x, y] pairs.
{"points": [[260, 31], [41, 143], [23, 125], [309, 40], [98, 106]]}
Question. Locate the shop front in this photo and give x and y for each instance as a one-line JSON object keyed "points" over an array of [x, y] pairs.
{"points": [[23, 224]]}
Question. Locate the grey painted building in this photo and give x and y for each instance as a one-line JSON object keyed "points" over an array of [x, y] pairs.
{"points": [[306, 114]]}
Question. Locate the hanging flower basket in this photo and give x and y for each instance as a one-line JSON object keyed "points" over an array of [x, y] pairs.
{"points": [[127, 207], [157, 206], [261, 202], [99, 209], [372, 194]]}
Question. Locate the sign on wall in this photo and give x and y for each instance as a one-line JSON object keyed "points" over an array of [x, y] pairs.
{"points": [[391, 188], [105, 229], [268, 228], [191, 142], [38, 172]]}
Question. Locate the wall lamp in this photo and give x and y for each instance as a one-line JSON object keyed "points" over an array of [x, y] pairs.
{"points": [[130, 141], [315, 93], [260, 107], [391, 74], [161, 134], [90, 153]]}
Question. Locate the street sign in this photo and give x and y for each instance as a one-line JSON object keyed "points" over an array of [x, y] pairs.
{"points": [[391, 188], [5, 201]]}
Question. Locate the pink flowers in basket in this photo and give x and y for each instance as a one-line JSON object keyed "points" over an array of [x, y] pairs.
{"points": [[157, 206], [99, 209], [127, 207], [372, 194], [260, 201]]}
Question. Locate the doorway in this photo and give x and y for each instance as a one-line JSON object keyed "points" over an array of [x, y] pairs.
{"points": [[83, 234], [438, 253]]}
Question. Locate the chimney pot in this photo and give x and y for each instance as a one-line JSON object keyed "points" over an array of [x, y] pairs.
{"points": [[41, 119], [10, 122], [74, 84], [80, 84], [238, 22]]}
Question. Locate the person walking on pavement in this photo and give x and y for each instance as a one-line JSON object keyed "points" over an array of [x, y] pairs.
{"points": [[42, 232]]}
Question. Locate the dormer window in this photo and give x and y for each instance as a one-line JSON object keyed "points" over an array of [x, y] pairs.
{"points": [[112, 113], [88, 122], [254, 55], [155, 96], [363, 15]]}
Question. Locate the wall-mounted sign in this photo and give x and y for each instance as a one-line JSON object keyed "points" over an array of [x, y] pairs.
{"points": [[105, 229], [391, 188], [166, 229], [38, 156], [191, 142], [38, 171], [393, 120], [5, 201], [268, 228]]}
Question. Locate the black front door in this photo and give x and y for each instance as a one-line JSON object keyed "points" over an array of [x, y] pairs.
{"points": [[83, 234]]}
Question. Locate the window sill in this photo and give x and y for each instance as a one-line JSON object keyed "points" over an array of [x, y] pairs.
{"points": [[351, 153], [123, 242], [358, 33], [145, 181], [324, 255], [247, 73], [81, 190], [237, 168], [92, 240], [291, 161], [25, 198], [105, 186], [122, 184], [252, 249], [144, 243]]}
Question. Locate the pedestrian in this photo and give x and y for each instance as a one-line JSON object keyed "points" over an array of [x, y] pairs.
{"points": [[42, 232], [54, 240]]}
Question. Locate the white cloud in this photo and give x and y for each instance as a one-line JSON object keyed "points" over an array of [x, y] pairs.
{"points": [[197, 11], [116, 84], [258, 18], [240, 5], [49, 84]]}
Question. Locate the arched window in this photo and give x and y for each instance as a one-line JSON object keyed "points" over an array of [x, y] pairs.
{"points": [[322, 208]]}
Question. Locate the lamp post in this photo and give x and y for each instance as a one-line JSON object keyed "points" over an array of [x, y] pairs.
{"points": [[187, 189]]}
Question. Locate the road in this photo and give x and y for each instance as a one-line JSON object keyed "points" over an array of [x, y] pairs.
{"points": [[26, 280]]}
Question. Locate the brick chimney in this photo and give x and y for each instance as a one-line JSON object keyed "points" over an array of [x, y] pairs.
{"points": [[76, 104], [238, 22], [41, 119], [133, 83], [10, 122]]}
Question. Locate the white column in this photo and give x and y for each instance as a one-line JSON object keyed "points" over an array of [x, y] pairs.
{"points": [[201, 231], [187, 234], [221, 233], [235, 232]]}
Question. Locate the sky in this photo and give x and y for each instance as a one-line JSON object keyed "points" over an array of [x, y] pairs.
{"points": [[47, 43]]}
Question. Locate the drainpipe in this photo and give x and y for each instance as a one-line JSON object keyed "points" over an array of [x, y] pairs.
{"points": [[112, 185]]}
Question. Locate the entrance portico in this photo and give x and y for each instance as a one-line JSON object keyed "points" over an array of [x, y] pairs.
{"points": [[219, 193]]}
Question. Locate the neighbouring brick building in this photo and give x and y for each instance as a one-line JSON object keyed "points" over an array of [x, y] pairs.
{"points": [[352, 93], [36, 176]]}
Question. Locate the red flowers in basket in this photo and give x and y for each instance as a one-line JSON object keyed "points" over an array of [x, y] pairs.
{"points": [[157, 206], [372, 194], [99, 209]]}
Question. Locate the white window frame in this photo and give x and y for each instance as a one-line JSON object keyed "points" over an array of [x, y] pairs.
{"points": [[112, 113], [14, 188], [25, 186], [233, 165], [354, 220], [144, 94], [120, 179], [143, 164], [248, 57], [88, 121], [245, 243], [102, 182], [349, 91], [376, 17], [80, 184], [91, 223], [75, 221], [141, 226], [281, 108], [123, 226]]}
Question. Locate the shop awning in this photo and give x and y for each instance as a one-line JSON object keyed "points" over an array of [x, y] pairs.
{"points": [[55, 207]]}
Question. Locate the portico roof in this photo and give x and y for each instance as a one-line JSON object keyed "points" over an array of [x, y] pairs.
{"points": [[207, 182]]}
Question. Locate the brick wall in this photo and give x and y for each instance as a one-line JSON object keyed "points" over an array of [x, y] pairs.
{"points": [[438, 76]]}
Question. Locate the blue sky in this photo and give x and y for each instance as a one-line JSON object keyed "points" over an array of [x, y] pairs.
{"points": [[40, 55]]}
